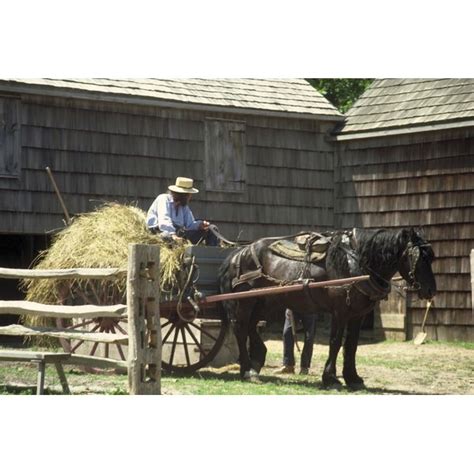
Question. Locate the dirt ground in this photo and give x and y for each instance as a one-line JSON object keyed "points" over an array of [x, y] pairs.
{"points": [[387, 368], [401, 367]]}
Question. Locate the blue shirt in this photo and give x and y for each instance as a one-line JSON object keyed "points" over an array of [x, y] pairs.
{"points": [[164, 215]]}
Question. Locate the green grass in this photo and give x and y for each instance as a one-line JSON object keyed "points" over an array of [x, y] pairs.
{"points": [[461, 344], [209, 383], [387, 368]]}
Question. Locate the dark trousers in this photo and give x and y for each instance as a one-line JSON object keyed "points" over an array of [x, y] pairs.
{"points": [[308, 322], [194, 236]]}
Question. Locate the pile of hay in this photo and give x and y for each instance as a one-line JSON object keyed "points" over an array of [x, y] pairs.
{"points": [[100, 239]]}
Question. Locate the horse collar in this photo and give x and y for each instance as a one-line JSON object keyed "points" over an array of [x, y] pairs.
{"points": [[371, 288]]}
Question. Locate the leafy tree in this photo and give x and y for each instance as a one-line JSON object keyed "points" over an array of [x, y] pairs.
{"points": [[342, 93]]}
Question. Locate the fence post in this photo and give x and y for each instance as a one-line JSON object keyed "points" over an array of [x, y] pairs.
{"points": [[143, 294]]}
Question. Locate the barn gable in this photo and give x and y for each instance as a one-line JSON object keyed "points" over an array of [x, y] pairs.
{"points": [[395, 104]]}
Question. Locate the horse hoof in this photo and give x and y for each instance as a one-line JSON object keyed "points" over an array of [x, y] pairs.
{"points": [[251, 376], [354, 382], [355, 386], [331, 382]]}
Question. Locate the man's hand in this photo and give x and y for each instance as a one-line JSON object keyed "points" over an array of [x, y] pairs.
{"points": [[204, 225], [176, 238]]}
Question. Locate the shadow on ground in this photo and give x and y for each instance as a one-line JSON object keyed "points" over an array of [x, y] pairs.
{"points": [[305, 382]]}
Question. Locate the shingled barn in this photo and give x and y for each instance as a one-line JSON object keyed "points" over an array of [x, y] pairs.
{"points": [[256, 148], [406, 158]]}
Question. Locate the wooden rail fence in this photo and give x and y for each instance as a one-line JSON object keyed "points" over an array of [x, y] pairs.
{"points": [[142, 312]]}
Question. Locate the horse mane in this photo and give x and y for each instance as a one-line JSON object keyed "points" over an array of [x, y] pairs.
{"points": [[381, 249], [378, 250]]}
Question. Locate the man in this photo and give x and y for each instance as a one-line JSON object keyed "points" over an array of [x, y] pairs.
{"points": [[171, 216], [308, 321]]}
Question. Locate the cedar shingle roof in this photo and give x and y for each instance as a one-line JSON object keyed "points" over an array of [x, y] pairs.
{"points": [[274, 95], [400, 103]]}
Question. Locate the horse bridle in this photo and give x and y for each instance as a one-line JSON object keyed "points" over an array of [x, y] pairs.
{"points": [[413, 253]]}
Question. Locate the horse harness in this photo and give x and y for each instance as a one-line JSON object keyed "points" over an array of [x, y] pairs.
{"points": [[250, 276], [375, 289], [307, 240], [253, 275], [371, 288]]}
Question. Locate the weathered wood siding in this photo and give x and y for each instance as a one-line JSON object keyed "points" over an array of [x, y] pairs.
{"points": [[417, 180], [102, 151]]}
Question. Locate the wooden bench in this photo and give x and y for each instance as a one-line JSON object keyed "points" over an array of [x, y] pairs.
{"points": [[59, 359], [41, 359]]}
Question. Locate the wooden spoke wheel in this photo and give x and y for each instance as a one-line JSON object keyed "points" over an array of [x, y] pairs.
{"points": [[94, 293], [187, 344], [191, 344], [98, 325]]}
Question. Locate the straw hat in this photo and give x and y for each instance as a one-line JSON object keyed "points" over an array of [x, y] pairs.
{"points": [[183, 185]]}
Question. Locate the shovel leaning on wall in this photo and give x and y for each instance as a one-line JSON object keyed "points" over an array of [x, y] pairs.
{"points": [[421, 336]]}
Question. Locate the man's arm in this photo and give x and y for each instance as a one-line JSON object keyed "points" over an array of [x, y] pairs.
{"points": [[189, 221], [159, 217]]}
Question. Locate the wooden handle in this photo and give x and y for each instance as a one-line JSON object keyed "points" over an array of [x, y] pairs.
{"points": [[56, 189], [428, 306]]}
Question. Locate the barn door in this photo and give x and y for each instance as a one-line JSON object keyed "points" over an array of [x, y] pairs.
{"points": [[225, 156], [10, 145]]}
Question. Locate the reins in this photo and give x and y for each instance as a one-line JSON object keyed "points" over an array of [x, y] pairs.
{"points": [[238, 243]]}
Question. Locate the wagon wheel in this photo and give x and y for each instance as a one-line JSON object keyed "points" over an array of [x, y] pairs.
{"points": [[190, 344], [187, 345], [96, 294]]}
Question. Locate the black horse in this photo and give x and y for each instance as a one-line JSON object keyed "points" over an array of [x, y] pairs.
{"points": [[378, 253]]}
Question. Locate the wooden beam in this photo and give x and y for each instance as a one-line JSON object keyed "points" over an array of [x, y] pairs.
{"points": [[92, 361], [63, 357], [91, 273], [59, 311], [107, 338], [6, 355]]}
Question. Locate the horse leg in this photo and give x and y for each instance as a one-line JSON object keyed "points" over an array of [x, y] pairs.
{"points": [[241, 330], [258, 350], [349, 371], [335, 342]]}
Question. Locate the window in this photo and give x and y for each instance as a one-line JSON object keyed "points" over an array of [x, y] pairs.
{"points": [[224, 162], [10, 145]]}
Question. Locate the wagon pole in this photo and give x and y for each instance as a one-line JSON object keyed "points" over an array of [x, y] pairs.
{"points": [[58, 194], [261, 292]]}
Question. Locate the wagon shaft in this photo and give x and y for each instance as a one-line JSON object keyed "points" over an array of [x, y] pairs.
{"points": [[262, 292]]}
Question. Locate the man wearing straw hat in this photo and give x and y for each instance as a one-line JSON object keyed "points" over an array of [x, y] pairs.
{"points": [[171, 216]]}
